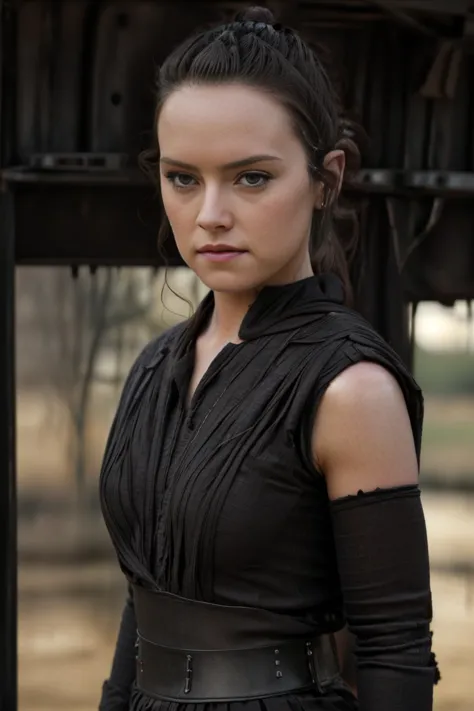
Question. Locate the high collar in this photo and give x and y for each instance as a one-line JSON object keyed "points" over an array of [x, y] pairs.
{"points": [[278, 309], [282, 308]]}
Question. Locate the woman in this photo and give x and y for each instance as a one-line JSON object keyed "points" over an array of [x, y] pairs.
{"points": [[260, 479]]}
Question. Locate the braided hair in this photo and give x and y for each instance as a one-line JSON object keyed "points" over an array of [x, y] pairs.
{"points": [[255, 50]]}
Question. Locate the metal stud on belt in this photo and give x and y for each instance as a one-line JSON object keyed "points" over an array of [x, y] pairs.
{"points": [[189, 674], [311, 665], [278, 672], [137, 655]]}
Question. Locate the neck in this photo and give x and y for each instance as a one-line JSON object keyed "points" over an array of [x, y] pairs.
{"points": [[228, 314], [230, 309]]}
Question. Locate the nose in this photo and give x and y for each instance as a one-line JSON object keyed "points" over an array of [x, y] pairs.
{"points": [[214, 214]]}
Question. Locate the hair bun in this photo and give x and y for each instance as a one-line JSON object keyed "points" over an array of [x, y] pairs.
{"points": [[257, 14]]}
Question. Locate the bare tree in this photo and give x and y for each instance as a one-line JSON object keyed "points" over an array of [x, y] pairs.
{"points": [[84, 329], [76, 318]]}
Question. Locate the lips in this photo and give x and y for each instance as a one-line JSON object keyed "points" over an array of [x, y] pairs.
{"points": [[220, 252], [219, 248]]}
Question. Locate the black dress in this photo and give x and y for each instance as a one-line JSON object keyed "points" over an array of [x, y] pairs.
{"points": [[221, 502]]}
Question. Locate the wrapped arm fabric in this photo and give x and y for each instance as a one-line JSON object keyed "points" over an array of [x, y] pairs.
{"points": [[382, 553]]}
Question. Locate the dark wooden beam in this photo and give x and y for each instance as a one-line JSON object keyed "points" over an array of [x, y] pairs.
{"points": [[8, 536]]}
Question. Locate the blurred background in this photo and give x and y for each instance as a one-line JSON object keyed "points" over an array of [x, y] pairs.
{"points": [[76, 339], [82, 289]]}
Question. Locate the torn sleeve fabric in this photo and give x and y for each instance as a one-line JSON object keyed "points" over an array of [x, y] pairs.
{"points": [[382, 553]]}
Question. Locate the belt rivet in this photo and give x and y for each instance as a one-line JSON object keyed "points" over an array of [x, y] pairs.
{"points": [[279, 674], [277, 651], [137, 655], [189, 674], [311, 664], [277, 662]]}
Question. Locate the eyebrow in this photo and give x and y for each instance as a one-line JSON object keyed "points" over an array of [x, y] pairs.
{"points": [[251, 160]]}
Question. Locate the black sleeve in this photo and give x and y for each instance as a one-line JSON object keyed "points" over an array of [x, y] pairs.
{"points": [[382, 554], [117, 689]]}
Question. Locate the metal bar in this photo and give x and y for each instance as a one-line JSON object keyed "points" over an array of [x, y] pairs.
{"points": [[8, 79], [8, 523], [8, 532], [444, 183], [23, 175]]}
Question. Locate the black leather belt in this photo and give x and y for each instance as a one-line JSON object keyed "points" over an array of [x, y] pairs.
{"points": [[237, 674], [198, 673]]}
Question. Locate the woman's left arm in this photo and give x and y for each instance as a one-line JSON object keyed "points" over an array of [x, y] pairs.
{"points": [[363, 443]]}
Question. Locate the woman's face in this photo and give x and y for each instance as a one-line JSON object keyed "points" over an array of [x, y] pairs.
{"points": [[236, 187]]}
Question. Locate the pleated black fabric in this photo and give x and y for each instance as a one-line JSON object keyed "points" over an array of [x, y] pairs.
{"points": [[220, 501]]}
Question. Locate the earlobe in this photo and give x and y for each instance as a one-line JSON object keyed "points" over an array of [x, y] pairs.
{"points": [[320, 197]]}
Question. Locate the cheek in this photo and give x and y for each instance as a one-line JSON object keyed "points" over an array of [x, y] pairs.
{"points": [[170, 202], [284, 216], [179, 213], [290, 205]]}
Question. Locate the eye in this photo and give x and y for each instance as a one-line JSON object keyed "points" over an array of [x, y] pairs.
{"points": [[180, 181], [254, 179]]}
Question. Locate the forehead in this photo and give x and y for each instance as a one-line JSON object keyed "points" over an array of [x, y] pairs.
{"points": [[230, 119]]}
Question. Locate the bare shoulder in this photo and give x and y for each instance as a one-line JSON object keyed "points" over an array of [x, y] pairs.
{"points": [[364, 382], [362, 437]]}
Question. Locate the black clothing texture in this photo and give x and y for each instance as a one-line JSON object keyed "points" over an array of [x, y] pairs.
{"points": [[116, 690], [382, 554], [220, 501]]}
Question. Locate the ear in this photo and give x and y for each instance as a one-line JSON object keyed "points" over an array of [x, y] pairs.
{"points": [[335, 163]]}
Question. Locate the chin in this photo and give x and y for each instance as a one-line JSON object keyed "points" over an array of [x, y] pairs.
{"points": [[227, 282]]}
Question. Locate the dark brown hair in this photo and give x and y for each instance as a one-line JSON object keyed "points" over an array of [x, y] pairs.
{"points": [[257, 51]]}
